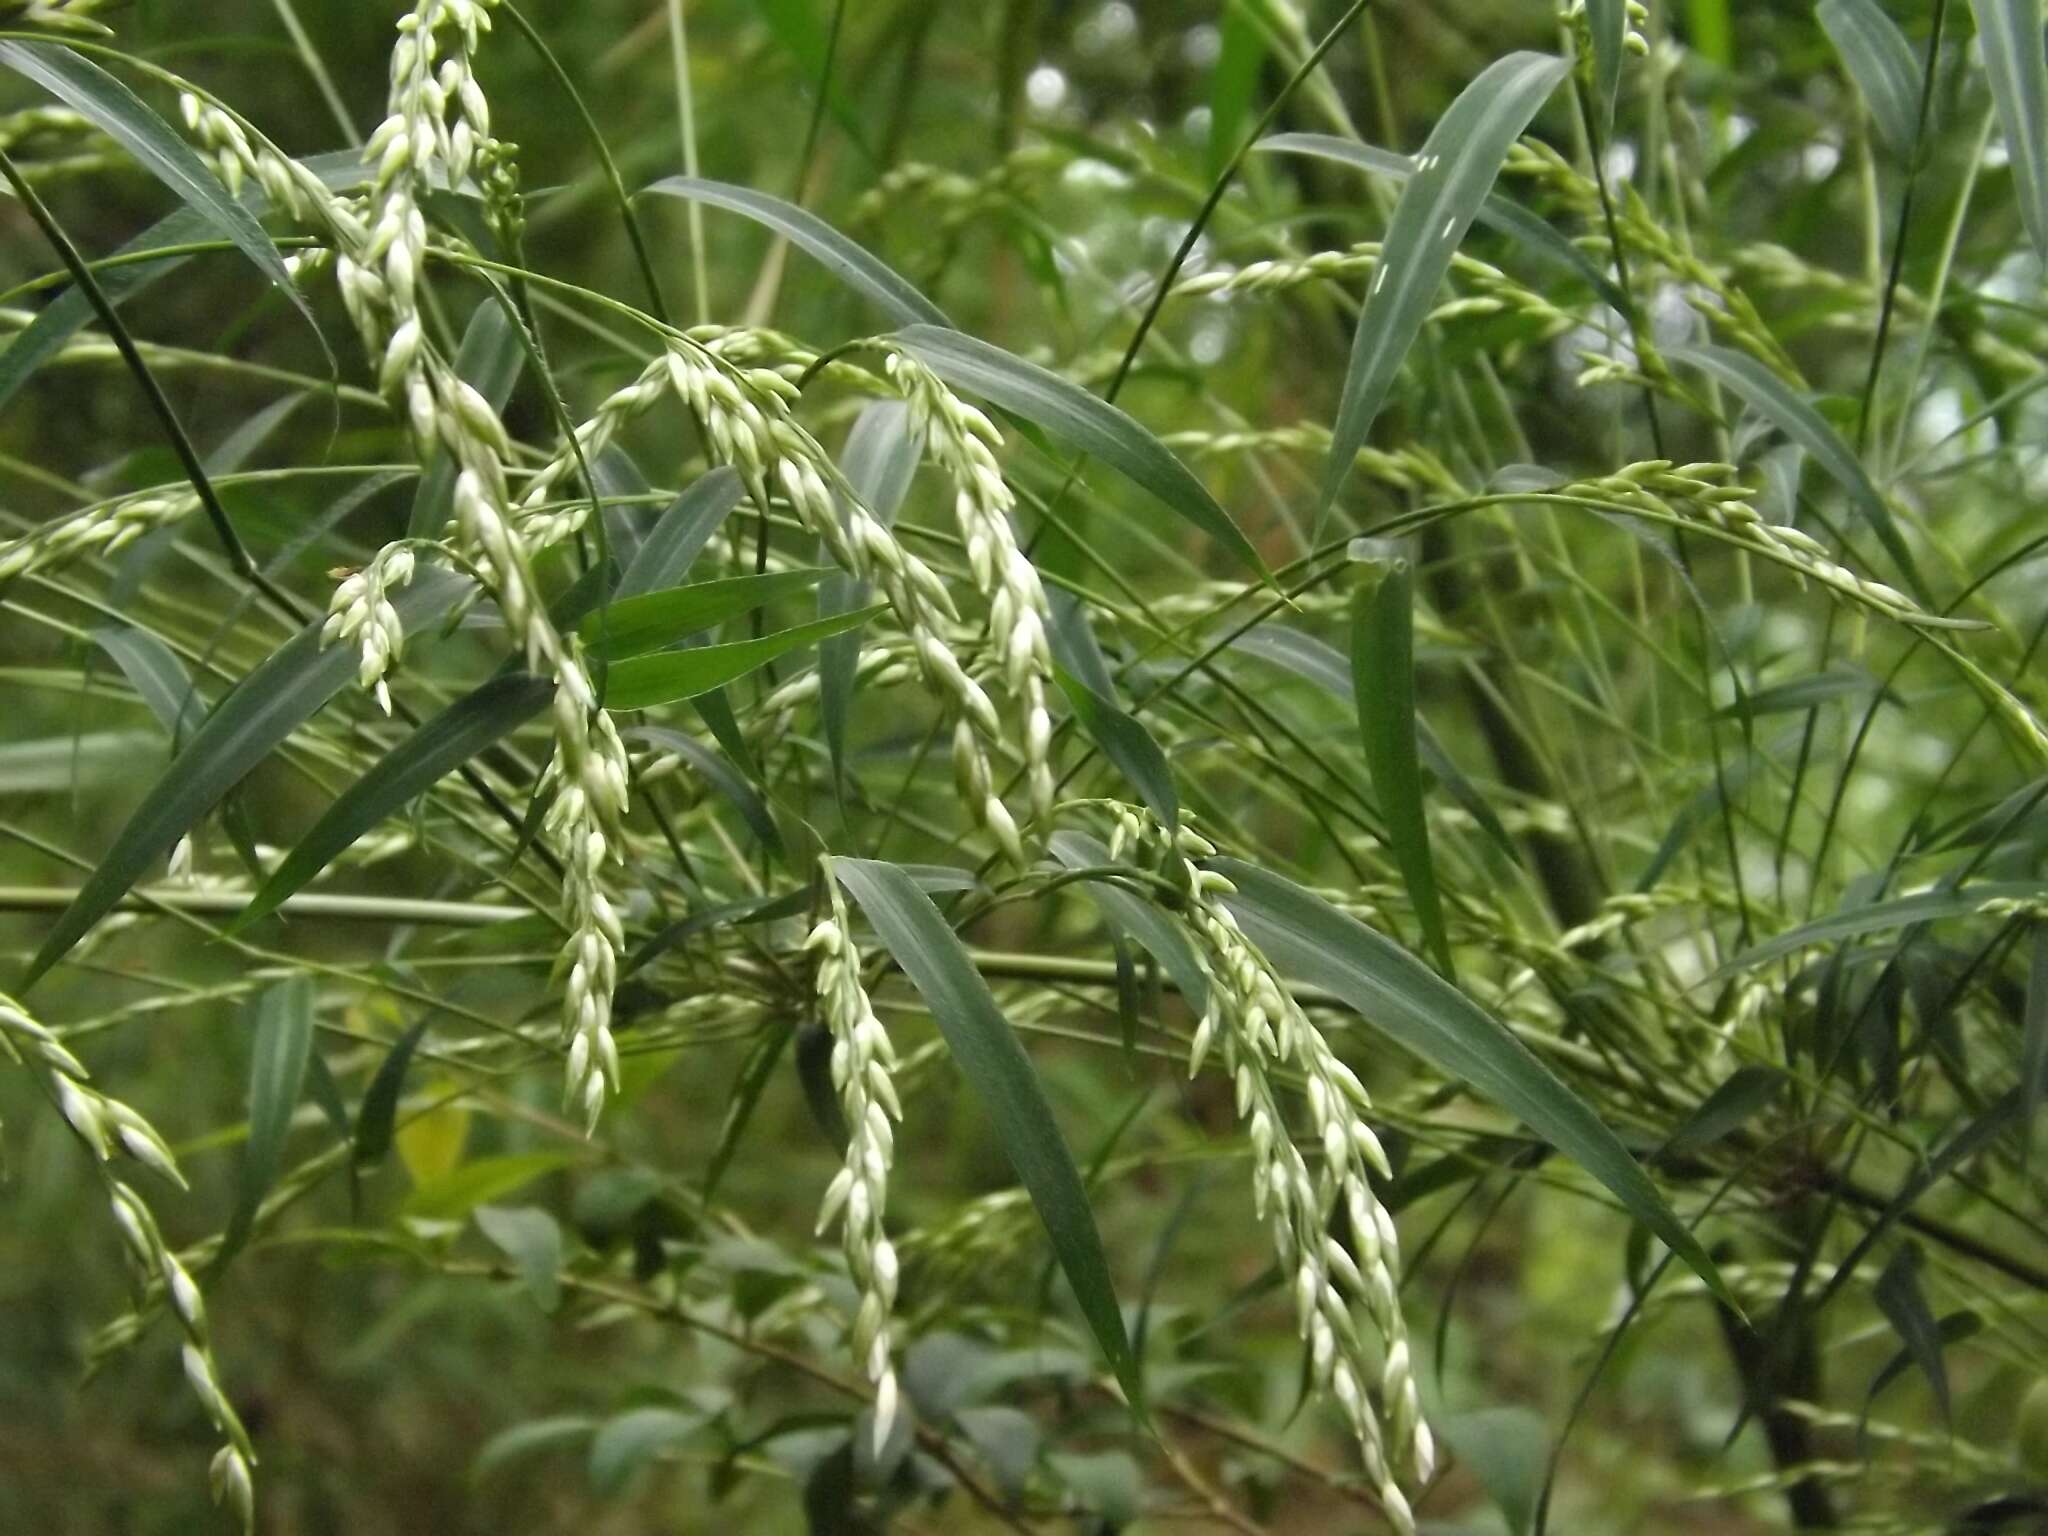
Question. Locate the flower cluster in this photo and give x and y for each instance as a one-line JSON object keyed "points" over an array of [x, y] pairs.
{"points": [[963, 442], [1253, 1021], [862, 1059], [100, 530], [108, 1127]]}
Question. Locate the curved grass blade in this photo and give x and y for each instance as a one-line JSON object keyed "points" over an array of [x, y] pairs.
{"points": [[1880, 61], [415, 765], [156, 675], [1495, 211], [680, 533], [644, 681], [633, 626], [1241, 52], [1080, 420], [866, 274], [1767, 394], [755, 909], [752, 1082], [1127, 744], [1607, 21], [1897, 1294], [378, 1115], [729, 780], [119, 113], [1402, 997], [1746, 1093], [879, 461], [986, 1050], [1143, 921], [2009, 32], [1383, 683], [1453, 174], [243, 729], [1878, 917], [277, 1076]]}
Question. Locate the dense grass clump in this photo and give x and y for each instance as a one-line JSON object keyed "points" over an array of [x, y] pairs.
{"points": [[902, 766]]}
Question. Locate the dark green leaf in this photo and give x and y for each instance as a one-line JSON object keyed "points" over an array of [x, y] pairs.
{"points": [[644, 681], [1767, 394], [1803, 693], [1236, 77], [627, 1443], [1878, 916], [755, 909], [277, 1075], [524, 1439], [472, 723], [865, 274], [1897, 1294], [1744, 1094], [754, 1076], [1126, 743], [1383, 680], [530, 1238], [632, 626], [1880, 61], [272, 702], [1078, 419], [378, 1116], [155, 674], [879, 461], [2009, 32], [120, 114], [1607, 20], [1162, 937], [1399, 995], [1495, 212], [1507, 1450], [455, 1194], [681, 532], [1453, 174], [995, 1065], [728, 780]]}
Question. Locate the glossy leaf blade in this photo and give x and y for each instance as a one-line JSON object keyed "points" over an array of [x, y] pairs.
{"points": [[644, 681], [1383, 683], [1768, 395], [986, 1050], [680, 533], [866, 274], [632, 626], [1126, 743], [408, 770], [1081, 421], [244, 728], [1453, 174], [277, 1076], [2009, 32], [155, 673], [1397, 994], [122, 115], [1880, 61]]}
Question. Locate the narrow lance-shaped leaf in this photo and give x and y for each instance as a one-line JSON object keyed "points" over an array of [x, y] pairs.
{"points": [[243, 729], [2009, 32], [1383, 677], [1127, 744], [635, 625], [1240, 52], [1397, 994], [681, 532], [1453, 174], [1898, 1296], [644, 681], [122, 115], [1607, 20], [1537, 238], [408, 770], [1767, 394], [1878, 916], [489, 360], [277, 1075], [1880, 61], [1080, 420], [727, 779], [866, 274], [879, 461], [985, 1049], [156, 675], [378, 1115]]}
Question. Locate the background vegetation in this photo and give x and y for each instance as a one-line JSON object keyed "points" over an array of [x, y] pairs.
{"points": [[1699, 519]]}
